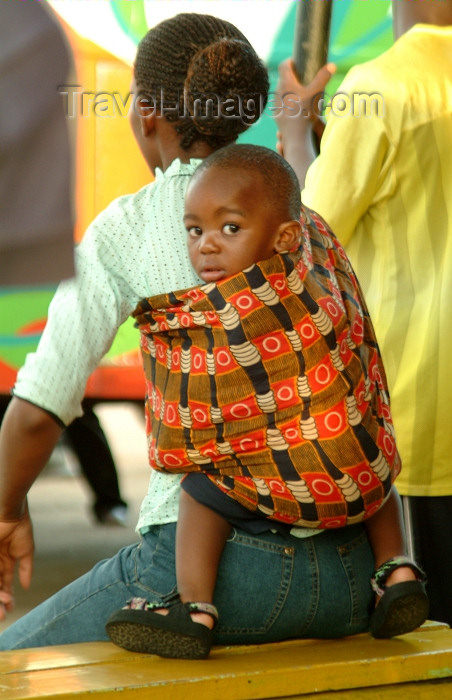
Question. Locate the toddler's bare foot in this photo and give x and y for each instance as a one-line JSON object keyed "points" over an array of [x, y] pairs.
{"points": [[403, 573], [199, 617], [203, 619]]}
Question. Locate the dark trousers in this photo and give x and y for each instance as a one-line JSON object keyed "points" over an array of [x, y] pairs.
{"points": [[87, 439], [431, 522]]}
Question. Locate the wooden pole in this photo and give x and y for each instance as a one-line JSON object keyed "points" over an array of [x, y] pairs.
{"points": [[311, 38]]}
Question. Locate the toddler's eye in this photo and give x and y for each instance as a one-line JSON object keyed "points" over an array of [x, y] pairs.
{"points": [[194, 231], [230, 229]]}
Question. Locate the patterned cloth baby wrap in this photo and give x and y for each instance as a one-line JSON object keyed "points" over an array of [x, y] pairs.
{"points": [[271, 383]]}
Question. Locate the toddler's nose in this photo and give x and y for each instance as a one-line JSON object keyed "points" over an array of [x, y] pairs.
{"points": [[209, 242]]}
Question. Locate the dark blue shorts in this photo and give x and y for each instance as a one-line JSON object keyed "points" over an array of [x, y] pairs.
{"points": [[201, 488]]}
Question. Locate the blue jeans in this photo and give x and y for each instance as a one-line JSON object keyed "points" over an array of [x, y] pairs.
{"points": [[270, 587]]}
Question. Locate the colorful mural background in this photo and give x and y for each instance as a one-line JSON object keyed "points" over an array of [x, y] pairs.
{"points": [[103, 35]]}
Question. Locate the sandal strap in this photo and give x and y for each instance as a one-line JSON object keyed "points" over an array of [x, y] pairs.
{"points": [[169, 601], [136, 604], [378, 580], [207, 608]]}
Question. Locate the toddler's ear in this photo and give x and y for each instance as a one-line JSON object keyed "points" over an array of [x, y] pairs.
{"points": [[288, 236]]}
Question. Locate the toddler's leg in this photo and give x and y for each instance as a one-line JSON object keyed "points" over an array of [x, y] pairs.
{"points": [[402, 603], [386, 534], [200, 539]]}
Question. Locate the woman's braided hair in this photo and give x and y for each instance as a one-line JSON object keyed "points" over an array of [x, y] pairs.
{"points": [[202, 74]]}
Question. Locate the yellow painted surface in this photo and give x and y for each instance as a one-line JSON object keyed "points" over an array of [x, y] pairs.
{"points": [[108, 161], [421, 690], [356, 667]]}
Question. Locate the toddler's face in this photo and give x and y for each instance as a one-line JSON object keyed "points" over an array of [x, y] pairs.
{"points": [[229, 222]]}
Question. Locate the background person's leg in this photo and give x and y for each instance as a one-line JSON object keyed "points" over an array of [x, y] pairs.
{"points": [[431, 519], [89, 442]]}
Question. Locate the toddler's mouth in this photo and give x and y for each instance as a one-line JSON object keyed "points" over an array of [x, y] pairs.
{"points": [[212, 274]]}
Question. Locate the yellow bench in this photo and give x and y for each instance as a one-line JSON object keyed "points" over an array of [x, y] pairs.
{"points": [[415, 666]]}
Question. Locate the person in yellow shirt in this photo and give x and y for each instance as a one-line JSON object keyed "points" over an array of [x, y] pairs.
{"points": [[383, 182]]}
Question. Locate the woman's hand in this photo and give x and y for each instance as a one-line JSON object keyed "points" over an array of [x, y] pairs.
{"points": [[27, 437], [16, 548]]}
